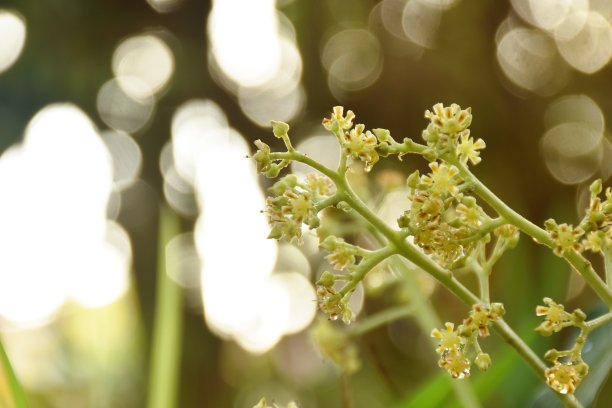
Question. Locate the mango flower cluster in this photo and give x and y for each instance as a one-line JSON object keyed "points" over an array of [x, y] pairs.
{"points": [[455, 344], [568, 369], [594, 232], [294, 204], [442, 219]]}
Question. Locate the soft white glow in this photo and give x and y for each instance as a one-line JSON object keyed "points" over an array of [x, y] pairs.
{"points": [[182, 261], [573, 21], [54, 237], [122, 112], [164, 6], [353, 60], [323, 148], [420, 23], [591, 48], [12, 38], [242, 298], [440, 4], [106, 277], [199, 128], [548, 14], [244, 40], [573, 146], [282, 98], [126, 155], [291, 258], [146, 58], [529, 59], [575, 108]]}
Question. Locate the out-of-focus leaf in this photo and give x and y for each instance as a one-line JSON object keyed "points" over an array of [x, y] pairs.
{"points": [[431, 394], [438, 388]]}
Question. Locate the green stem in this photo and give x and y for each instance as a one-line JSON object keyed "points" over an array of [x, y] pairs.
{"points": [[365, 266], [17, 392], [577, 261], [168, 322], [381, 318], [607, 255], [427, 318], [598, 321], [445, 277]]}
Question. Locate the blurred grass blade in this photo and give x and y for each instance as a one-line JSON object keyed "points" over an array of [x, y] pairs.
{"points": [[17, 392], [168, 323]]}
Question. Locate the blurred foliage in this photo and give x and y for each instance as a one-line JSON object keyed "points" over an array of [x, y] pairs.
{"points": [[67, 58]]}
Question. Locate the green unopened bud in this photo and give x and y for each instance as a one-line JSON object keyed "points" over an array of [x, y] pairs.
{"points": [[497, 310], [579, 316], [550, 224], [279, 129], [552, 355], [272, 171], [383, 135], [483, 361], [327, 279], [430, 154], [344, 206], [414, 179], [469, 201], [582, 369], [595, 187]]}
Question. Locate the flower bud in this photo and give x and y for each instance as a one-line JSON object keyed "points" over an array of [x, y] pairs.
{"points": [[279, 129], [483, 361]]}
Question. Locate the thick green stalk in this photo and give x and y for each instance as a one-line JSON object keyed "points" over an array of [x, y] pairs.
{"points": [[445, 277], [577, 261], [17, 392], [168, 324], [607, 255], [381, 318]]}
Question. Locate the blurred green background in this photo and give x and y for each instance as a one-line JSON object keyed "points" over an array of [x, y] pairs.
{"points": [[177, 91]]}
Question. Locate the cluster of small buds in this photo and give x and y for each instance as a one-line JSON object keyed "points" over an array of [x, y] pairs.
{"points": [[440, 217], [341, 255], [338, 121], [336, 344], [265, 164], [361, 145], [448, 133], [454, 344], [563, 377], [263, 404], [331, 302], [508, 232], [294, 203], [356, 141], [565, 237], [598, 220]]}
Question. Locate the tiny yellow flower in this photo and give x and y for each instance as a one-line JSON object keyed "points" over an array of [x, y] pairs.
{"points": [[450, 340], [556, 317], [564, 378], [442, 179], [457, 365], [338, 121], [467, 149]]}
